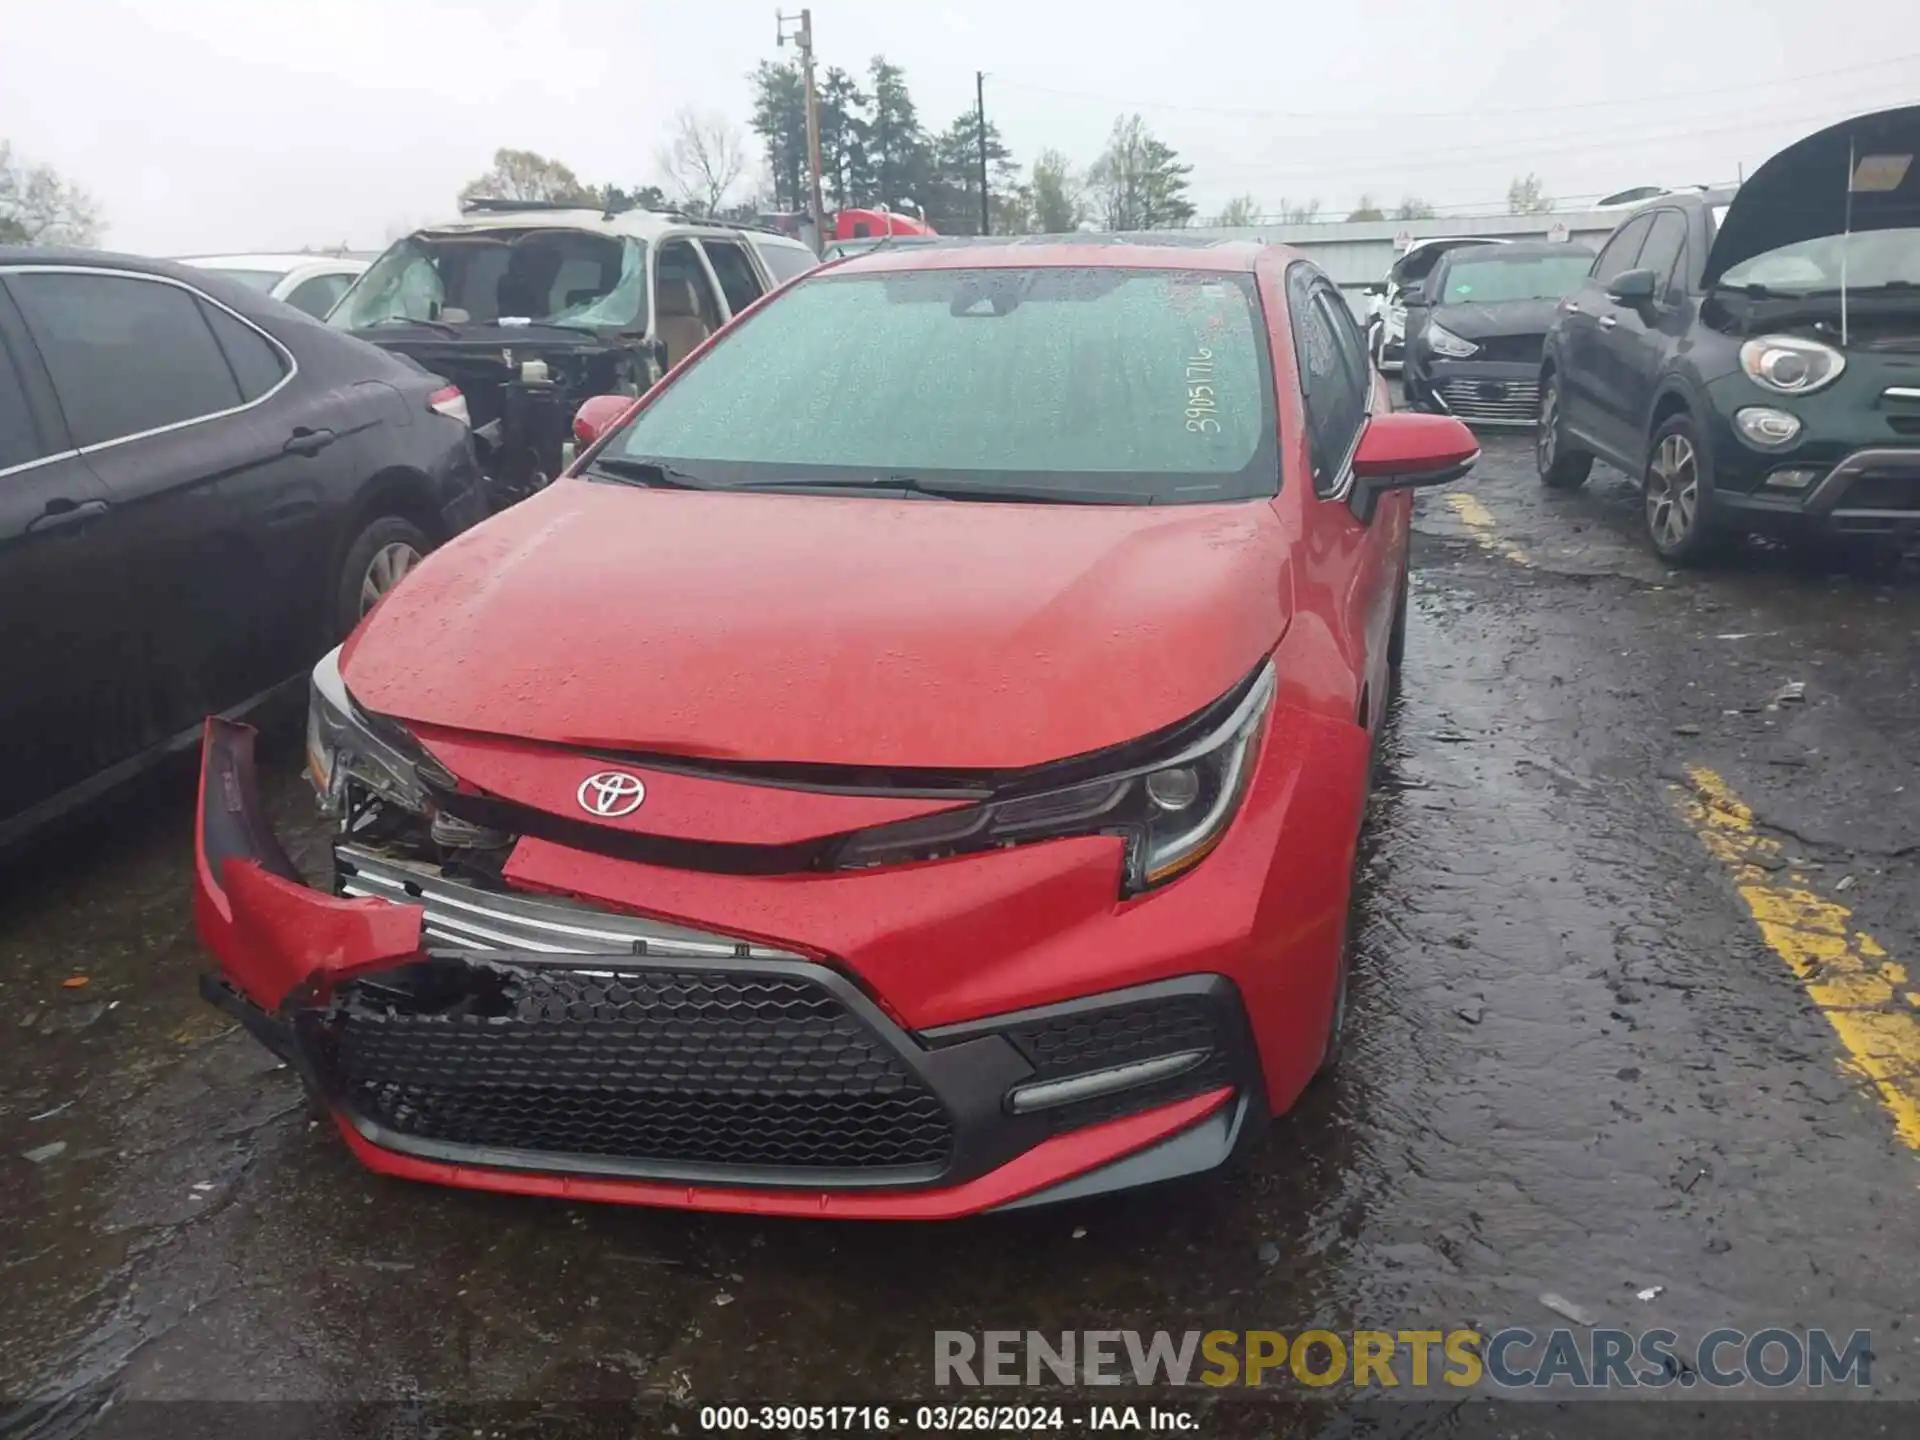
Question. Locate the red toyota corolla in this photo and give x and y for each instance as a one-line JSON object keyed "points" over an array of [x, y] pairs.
{"points": [[910, 766]]}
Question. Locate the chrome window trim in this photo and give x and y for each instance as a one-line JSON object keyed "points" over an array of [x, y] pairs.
{"points": [[79, 451]]}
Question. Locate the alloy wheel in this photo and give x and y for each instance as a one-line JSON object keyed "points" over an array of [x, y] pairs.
{"points": [[384, 571], [1673, 491], [1546, 437]]}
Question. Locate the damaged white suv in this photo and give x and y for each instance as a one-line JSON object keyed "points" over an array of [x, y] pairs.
{"points": [[532, 307]]}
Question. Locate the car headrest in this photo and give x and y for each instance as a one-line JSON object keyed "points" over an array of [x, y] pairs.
{"points": [[675, 297]]}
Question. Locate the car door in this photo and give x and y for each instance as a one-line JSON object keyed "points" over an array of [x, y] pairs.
{"points": [[686, 307], [59, 611], [1633, 349], [739, 283], [213, 487], [1582, 401], [317, 294], [1355, 562]]}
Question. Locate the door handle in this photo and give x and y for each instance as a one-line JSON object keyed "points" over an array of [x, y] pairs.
{"points": [[309, 442], [63, 513], [1607, 322], [1569, 307]]}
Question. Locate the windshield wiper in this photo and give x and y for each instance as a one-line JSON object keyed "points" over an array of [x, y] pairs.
{"points": [[654, 474], [410, 320], [939, 490]]}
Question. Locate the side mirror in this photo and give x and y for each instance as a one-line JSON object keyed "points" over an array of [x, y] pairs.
{"points": [[597, 416], [1413, 296], [1403, 450], [1633, 287]]}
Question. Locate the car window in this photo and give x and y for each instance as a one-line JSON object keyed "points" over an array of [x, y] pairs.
{"points": [[127, 355], [482, 277], [1666, 243], [1620, 252], [19, 437], [257, 365], [1140, 384], [1483, 279], [785, 262], [320, 294], [737, 280], [261, 280], [1335, 388], [679, 264]]}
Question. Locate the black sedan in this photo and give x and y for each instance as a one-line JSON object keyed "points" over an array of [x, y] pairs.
{"points": [[1476, 325], [201, 490]]}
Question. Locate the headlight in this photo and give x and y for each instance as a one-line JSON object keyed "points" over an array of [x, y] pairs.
{"points": [[1443, 341], [1791, 364], [1397, 319], [342, 743], [1172, 811]]}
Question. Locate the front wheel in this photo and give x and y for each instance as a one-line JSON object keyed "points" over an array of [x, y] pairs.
{"points": [[1677, 494], [381, 555], [1561, 467]]}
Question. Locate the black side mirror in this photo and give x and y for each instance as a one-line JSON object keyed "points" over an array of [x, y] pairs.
{"points": [[1633, 287], [1414, 296]]}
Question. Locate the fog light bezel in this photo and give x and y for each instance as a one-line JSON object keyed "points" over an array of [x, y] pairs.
{"points": [[1748, 419]]}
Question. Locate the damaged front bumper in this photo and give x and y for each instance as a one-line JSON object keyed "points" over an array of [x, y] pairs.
{"points": [[501, 1040]]}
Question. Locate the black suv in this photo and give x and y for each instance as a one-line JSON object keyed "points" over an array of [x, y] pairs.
{"points": [[1754, 357]]}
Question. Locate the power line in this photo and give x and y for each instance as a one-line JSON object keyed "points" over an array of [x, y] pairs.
{"points": [[1599, 141], [1475, 112]]}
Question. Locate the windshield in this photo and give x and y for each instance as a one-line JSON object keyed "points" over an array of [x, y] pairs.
{"points": [[1154, 383], [1868, 259], [261, 280], [491, 277], [1527, 277]]}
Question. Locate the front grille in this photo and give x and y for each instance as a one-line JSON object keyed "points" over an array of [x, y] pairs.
{"points": [[1882, 491], [1507, 402], [676, 1068], [1516, 349]]}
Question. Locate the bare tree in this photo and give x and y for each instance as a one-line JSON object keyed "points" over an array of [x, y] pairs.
{"points": [[704, 160], [1412, 207], [524, 175], [1059, 195], [1365, 209], [1301, 212], [1527, 195], [37, 207], [1241, 210]]}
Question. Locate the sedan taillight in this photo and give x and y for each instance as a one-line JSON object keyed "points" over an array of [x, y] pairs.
{"points": [[451, 403]]}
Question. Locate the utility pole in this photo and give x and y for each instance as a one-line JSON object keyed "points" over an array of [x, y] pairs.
{"points": [[980, 102], [803, 37]]}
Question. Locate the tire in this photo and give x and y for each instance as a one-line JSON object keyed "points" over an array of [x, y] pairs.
{"points": [[386, 548], [1676, 494], [1397, 636], [1561, 466], [1337, 1025]]}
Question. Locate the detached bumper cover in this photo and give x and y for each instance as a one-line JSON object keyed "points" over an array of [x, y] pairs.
{"points": [[771, 1085]]}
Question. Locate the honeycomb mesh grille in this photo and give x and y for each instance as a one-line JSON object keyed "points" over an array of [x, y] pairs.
{"points": [[1098, 1040], [672, 1067]]}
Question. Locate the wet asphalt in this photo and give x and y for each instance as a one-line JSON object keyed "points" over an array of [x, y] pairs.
{"points": [[1576, 1067]]}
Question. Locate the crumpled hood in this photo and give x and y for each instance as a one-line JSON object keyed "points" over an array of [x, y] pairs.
{"points": [[897, 633], [1500, 317], [1802, 193]]}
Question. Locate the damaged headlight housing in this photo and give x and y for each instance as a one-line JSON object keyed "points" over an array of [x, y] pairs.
{"points": [[343, 744], [1443, 341], [1791, 364], [1172, 810]]}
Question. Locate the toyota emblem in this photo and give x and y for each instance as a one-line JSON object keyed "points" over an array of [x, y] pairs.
{"points": [[609, 794]]}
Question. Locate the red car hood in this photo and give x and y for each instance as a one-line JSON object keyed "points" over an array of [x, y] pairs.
{"points": [[900, 633]]}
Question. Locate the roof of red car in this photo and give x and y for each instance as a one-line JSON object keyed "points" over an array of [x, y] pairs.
{"points": [[1145, 250]]}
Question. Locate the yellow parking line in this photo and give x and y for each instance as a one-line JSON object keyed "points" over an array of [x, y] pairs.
{"points": [[1843, 970], [1480, 520]]}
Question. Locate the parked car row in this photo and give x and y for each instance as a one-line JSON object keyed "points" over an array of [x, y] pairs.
{"points": [[1751, 356]]}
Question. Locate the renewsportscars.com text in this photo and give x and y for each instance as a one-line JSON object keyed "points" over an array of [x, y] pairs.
{"points": [[1511, 1359]]}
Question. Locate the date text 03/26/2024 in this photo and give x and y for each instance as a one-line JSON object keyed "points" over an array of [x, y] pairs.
{"points": [[941, 1419]]}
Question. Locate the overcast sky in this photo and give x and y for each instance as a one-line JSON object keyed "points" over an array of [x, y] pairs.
{"points": [[241, 124]]}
